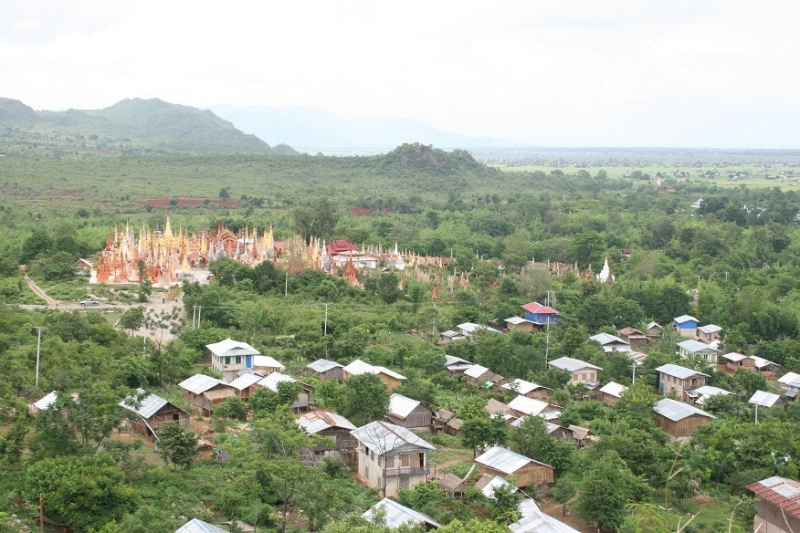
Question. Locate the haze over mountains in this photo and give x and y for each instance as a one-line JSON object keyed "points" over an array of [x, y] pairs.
{"points": [[310, 129], [129, 126]]}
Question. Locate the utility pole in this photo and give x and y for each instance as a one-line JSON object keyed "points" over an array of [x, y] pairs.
{"points": [[38, 353], [434, 321], [326, 329], [634, 373], [286, 286], [756, 414], [144, 345], [726, 275], [547, 342]]}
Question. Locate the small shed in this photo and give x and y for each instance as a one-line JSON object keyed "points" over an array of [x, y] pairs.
{"points": [[481, 377], [709, 333], [391, 379], [446, 337], [487, 483], [152, 412], [633, 336], [520, 324], [444, 420], [764, 367], [468, 329], [765, 399], [700, 395], [610, 343], [528, 389], [453, 484], [204, 392], [612, 392], [679, 419], [246, 384], [408, 413], [653, 331], [734, 361], [504, 463], [327, 370], [334, 426]]}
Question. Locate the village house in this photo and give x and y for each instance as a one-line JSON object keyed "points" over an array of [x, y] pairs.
{"points": [[634, 337], [395, 515], [778, 507], [303, 397], [447, 421], [446, 337], [679, 419], [204, 392], [524, 406], [678, 378], [408, 413], [709, 333], [610, 343], [456, 366], [734, 361], [700, 395], [246, 384], [653, 331], [611, 392], [195, 525], [533, 520], [765, 399], [43, 403], [151, 413], [335, 427], [497, 408], [520, 324], [764, 367], [469, 329], [541, 315], [481, 377], [529, 389], [693, 348], [391, 457], [230, 356], [325, 370], [790, 382], [686, 326], [266, 365], [391, 379], [499, 461], [487, 483], [583, 373]]}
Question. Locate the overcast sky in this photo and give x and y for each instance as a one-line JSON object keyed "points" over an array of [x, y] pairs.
{"points": [[562, 73]]}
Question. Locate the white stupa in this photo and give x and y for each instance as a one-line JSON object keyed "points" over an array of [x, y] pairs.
{"points": [[605, 275]]}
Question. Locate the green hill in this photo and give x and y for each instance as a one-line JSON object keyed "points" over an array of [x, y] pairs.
{"points": [[129, 126]]}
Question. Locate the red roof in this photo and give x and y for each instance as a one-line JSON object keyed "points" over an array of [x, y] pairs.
{"points": [[538, 309], [341, 245], [785, 493]]}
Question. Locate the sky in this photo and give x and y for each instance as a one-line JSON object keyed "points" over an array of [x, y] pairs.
{"points": [[688, 73]]}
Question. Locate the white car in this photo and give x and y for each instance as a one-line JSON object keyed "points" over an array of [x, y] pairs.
{"points": [[85, 303]]}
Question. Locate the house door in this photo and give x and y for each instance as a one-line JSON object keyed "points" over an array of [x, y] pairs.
{"points": [[403, 482], [248, 361]]}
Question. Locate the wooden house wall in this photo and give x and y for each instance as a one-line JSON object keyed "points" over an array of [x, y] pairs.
{"points": [[532, 474], [538, 394], [772, 519], [246, 392], [390, 382], [527, 327], [419, 417], [334, 374], [681, 428]]}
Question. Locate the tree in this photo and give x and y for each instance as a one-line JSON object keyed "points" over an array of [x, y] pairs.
{"points": [[563, 492], [177, 445], [233, 409], [532, 440], [224, 194], [481, 432], [365, 399], [607, 486], [132, 319], [264, 402]]}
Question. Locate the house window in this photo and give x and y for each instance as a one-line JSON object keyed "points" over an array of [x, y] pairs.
{"points": [[238, 359]]}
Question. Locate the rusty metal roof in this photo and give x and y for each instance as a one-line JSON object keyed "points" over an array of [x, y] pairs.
{"points": [[779, 491]]}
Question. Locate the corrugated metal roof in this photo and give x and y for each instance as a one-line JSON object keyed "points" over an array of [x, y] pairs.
{"points": [[521, 386], [763, 398], [265, 361], [271, 381], [383, 437], [470, 327], [476, 371], [694, 346], [605, 338], [195, 525], [707, 391], [652, 325], [779, 491], [680, 372], [734, 357], [230, 347], [677, 411], [147, 406], [517, 320], [538, 522], [395, 515], [685, 318], [199, 383], [710, 328], [450, 360], [316, 421], [323, 365], [245, 380], [538, 309], [760, 362], [614, 389], [571, 365], [496, 482], [527, 406], [527, 507], [791, 379], [360, 367], [400, 406], [47, 401], [504, 460]]}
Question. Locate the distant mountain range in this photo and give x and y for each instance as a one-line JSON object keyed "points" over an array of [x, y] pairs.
{"points": [[309, 129], [129, 126]]}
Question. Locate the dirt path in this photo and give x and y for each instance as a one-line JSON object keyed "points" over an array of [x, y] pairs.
{"points": [[39, 292], [467, 458]]}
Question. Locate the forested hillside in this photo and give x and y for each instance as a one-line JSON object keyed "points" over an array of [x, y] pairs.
{"points": [[128, 127], [732, 260]]}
